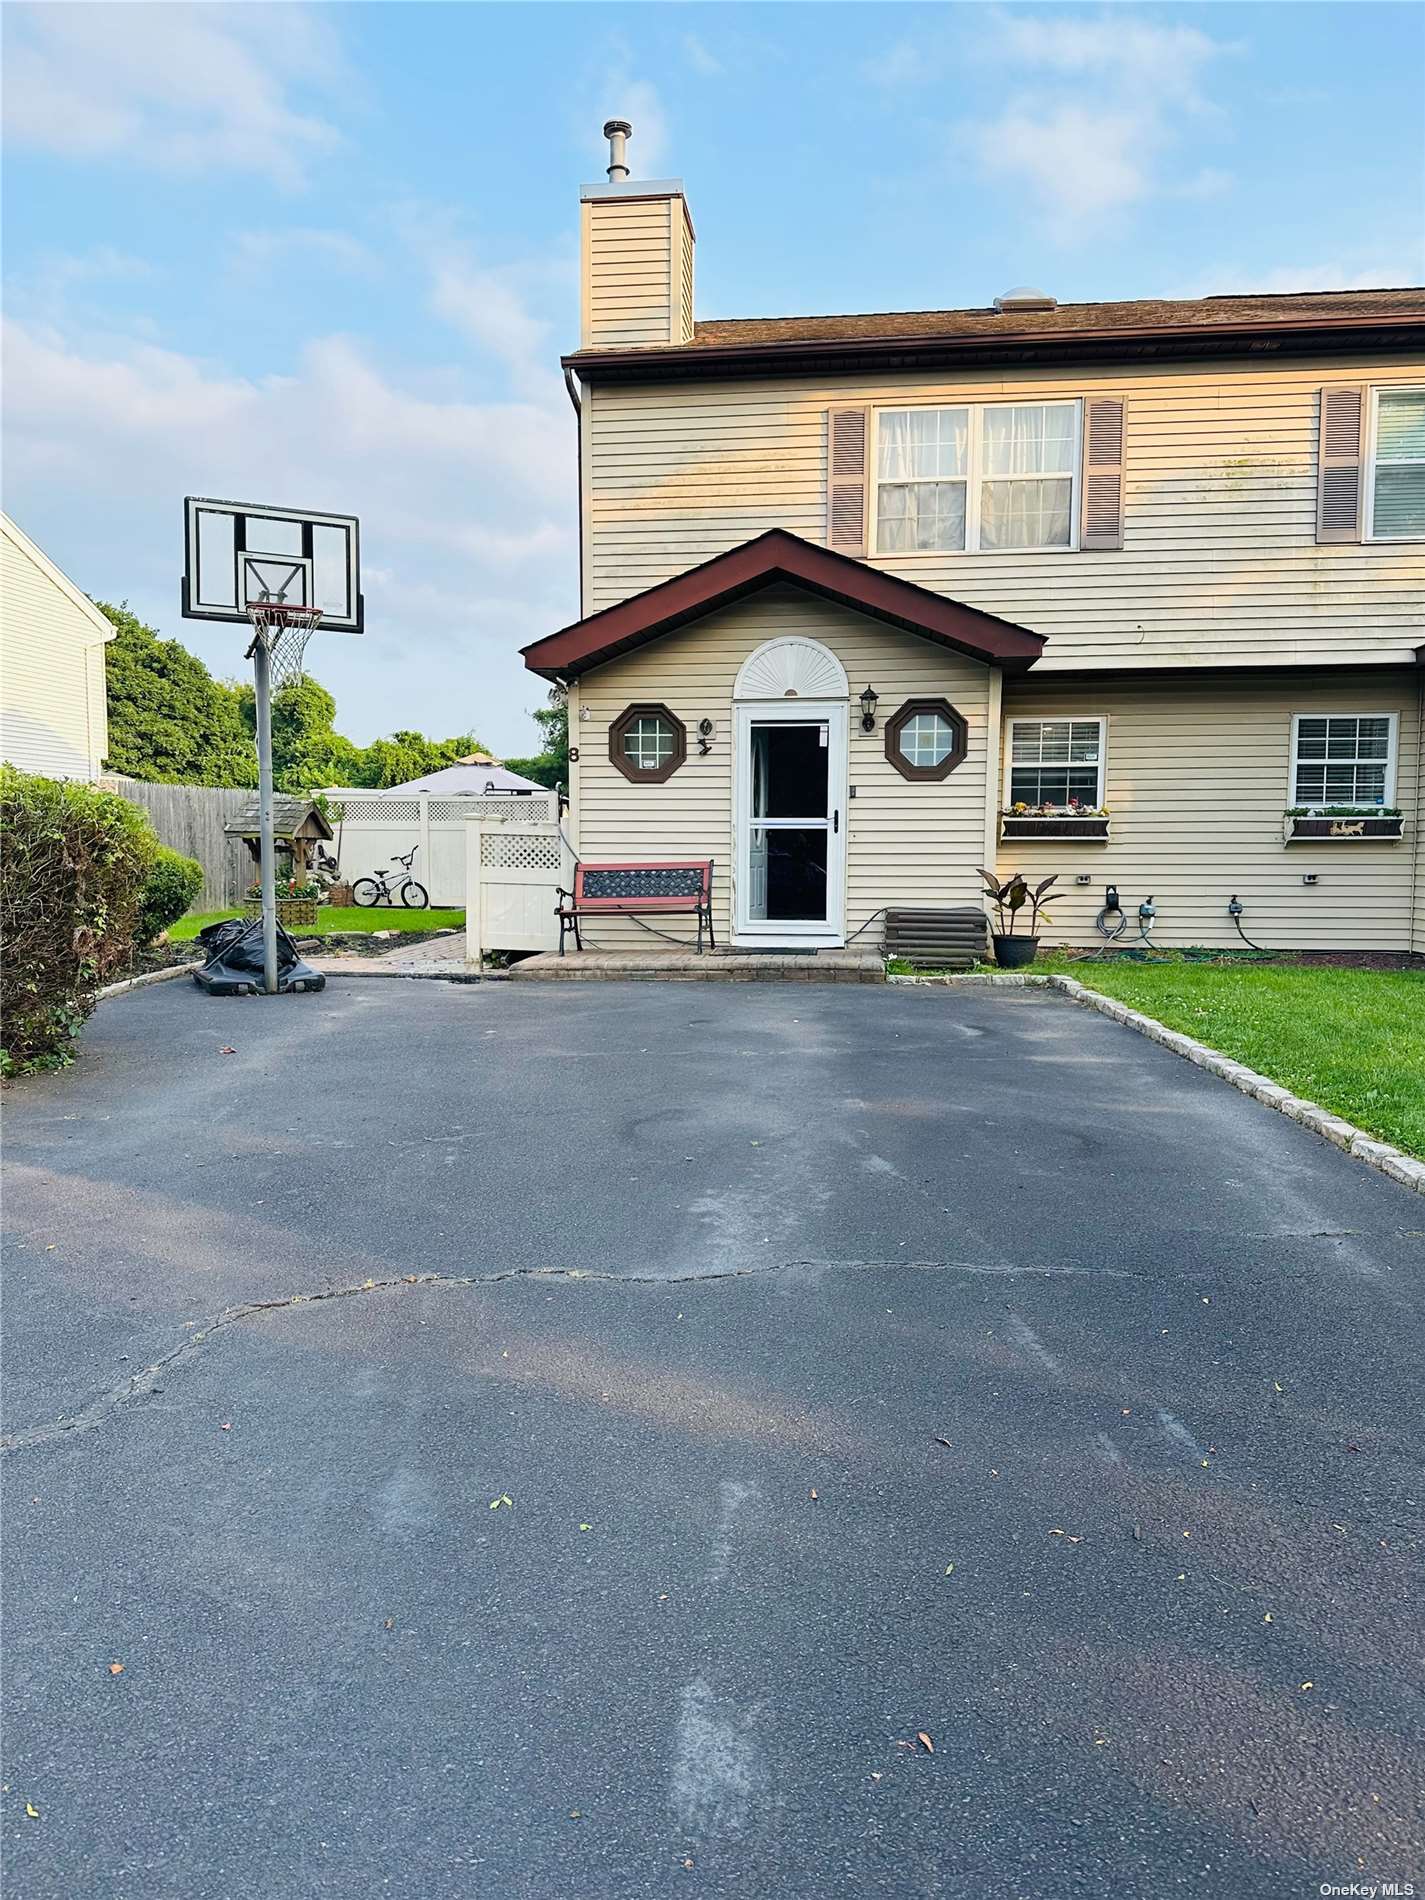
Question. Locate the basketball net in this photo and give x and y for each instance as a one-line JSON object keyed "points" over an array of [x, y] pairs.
{"points": [[284, 630]]}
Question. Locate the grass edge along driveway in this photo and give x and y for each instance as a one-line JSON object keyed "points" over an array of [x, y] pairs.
{"points": [[335, 917]]}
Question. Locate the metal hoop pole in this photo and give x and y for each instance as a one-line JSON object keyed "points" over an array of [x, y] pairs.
{"points": [[262, 680]]}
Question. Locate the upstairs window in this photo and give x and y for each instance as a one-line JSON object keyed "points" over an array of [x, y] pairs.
{"points": [[985, 478], [1056, 762], [1396, 487], [1343, 759]]}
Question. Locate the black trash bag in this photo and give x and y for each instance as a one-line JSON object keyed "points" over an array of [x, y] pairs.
{"points": [[233, 963]]}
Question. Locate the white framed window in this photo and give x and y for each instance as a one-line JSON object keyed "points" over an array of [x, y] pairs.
{"points": [[976, 478], [1395, 469], [1343, 759], [1056, 762]]}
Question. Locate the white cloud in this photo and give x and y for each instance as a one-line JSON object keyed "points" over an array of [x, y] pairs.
{"points": [[258, 251], [488, 306], [1096, 114], [700, 58], [180, 87], [466, 507], [901, 65]]}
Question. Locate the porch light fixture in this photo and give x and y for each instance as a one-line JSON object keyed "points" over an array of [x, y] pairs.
{"points": [[868, 709]]}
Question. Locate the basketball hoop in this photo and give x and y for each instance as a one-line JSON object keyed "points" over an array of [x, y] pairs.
{"points": [[284, 628]]}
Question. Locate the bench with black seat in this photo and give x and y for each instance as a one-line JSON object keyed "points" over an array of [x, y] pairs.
{"points": [[668, 887]]}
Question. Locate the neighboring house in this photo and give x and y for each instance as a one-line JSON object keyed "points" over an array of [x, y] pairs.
{"points": [[1166, 558], [53, 707]]}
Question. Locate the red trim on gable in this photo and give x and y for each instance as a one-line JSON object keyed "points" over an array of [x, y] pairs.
{"points": [[773, 557]]}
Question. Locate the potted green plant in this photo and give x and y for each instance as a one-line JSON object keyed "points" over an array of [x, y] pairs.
{"points": [[1014, 948]]}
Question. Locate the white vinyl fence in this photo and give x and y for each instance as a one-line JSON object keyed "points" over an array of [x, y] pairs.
{"points": [[513, 873], [378, 826]]}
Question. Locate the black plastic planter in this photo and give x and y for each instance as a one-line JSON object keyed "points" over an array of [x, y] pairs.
{"points": [[1015, 953], [1062, 830], [1354, 827]]}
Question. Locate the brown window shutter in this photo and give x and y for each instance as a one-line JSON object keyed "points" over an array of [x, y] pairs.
{"points": [[1102, 524], [846, 480], [1340, 463]]}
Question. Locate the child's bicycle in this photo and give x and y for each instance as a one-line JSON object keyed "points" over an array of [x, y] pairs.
{"points": [[377, 889]]}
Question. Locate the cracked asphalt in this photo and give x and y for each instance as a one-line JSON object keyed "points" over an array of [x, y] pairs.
{"points": [[576, 1443]]}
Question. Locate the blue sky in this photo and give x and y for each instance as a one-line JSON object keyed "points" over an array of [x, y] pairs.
{"points": [[329, 254]]}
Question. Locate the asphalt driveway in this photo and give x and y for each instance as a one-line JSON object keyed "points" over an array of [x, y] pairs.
{"points": [[860, 1442]]}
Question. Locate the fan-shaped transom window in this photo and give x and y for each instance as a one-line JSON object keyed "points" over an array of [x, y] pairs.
{"points": [[925, 739], [647, 743], [791, 668]]}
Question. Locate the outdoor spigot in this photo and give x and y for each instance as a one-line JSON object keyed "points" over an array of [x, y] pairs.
{"points": [[1147, 910], [1235, 906]]}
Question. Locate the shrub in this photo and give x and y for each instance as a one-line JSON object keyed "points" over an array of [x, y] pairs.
{"points": [[172, 888], [73, 873]]}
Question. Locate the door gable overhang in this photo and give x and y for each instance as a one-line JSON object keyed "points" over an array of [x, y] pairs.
{"points": [[772, 559]]}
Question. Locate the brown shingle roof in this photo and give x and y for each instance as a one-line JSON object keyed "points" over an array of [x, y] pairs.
{"points": [[1146, 313], [1149, 326]]}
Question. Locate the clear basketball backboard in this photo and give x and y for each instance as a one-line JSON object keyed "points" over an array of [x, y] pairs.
{"points": [[238, 555]]}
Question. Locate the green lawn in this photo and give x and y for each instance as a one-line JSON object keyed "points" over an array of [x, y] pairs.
{"points": [[336, 918], [1351, 1040]]}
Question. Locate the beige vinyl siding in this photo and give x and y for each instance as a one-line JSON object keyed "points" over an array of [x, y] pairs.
{"points": [[683, 233], [1220, 564], [1197, 779], [907, 843], [630, 286], [53, 713]]}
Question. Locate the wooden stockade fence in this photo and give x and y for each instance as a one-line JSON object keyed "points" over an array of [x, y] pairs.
{"points": [[190, 819]]}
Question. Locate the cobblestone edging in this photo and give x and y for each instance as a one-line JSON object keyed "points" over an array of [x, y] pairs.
{"points": [[1342, 1134]]}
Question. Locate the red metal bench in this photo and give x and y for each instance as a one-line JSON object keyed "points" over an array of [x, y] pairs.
{"points": [[664, 886]]}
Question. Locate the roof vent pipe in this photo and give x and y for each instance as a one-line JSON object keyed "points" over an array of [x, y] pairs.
{"points": [[617, 132]]}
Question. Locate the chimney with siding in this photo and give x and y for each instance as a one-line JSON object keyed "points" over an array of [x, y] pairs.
{"points": [[636, 252]]}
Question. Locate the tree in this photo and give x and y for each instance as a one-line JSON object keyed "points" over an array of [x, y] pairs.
{"points": [[550, 765], [408, 755], [169, 719]]}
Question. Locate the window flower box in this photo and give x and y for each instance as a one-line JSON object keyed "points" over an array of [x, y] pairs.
{"points": [[1081, 825], [1339, 824]]}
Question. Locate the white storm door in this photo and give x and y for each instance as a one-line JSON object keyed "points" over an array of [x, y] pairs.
{"points": [[790, 815]]}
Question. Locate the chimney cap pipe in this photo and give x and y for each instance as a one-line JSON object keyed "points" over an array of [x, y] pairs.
{"points": [[616, 131]]}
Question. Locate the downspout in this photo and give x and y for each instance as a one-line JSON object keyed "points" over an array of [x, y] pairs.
{"points": [[1417, 855]]}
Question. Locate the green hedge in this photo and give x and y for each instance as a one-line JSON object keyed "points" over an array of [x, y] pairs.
{"points": [[170, 893], [75, 865]]}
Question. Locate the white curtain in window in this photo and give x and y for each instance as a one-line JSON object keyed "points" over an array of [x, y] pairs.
{"points": [[921, 460], [1033, 514], [1032, 438]]}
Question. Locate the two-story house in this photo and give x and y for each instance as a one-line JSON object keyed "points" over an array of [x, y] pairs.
{"points": [[1132, 592]]}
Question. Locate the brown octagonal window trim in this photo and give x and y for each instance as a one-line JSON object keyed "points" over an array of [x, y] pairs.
{"points": [[647, 743], [916, 731]]}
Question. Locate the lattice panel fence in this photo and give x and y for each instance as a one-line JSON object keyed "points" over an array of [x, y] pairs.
{"points": [[500, 851]]}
